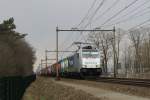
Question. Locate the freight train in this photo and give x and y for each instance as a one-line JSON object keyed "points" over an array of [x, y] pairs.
{"points": [[85, 62]]}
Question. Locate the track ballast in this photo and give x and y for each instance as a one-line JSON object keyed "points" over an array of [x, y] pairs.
{"points": [[125, 81]]}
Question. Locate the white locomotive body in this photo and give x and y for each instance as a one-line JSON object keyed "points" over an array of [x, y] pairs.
{"points": [[85, 62]]}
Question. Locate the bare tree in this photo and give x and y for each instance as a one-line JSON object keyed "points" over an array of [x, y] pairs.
{"points": [[136, 38], [137, 54], [145, 49], [128, 60], [102, 41], [115, 45]]}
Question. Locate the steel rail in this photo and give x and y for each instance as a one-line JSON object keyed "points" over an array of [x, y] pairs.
{"points": [[125, 81]]}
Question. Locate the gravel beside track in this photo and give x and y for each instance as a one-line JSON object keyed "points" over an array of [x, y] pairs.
{"points": [[126, 89], [126, 81], [102, 93], [46, 89]]}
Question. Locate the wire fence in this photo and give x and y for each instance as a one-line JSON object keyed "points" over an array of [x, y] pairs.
{"points": [[13, 88]]}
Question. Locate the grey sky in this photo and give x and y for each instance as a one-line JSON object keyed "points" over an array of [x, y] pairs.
{"points": [[39, 18]]}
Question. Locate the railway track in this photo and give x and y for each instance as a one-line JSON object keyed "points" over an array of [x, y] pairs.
{"points": [[126, 81], [123, 81]]}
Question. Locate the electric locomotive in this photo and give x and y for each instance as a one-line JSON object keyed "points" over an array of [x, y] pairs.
{"points": [[85, 62]]}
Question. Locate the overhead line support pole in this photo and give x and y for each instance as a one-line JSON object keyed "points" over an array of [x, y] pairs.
{"points": [[83, 30], [42, 62], [51, 59], [114, 49], [46, 57], [61, 51], [57, 70]]}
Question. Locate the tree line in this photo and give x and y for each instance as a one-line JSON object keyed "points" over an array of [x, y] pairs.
{"points": [[16, 55], [133, 55]]}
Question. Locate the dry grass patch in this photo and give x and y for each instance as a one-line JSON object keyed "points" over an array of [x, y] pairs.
{"points": [[46, 89]]}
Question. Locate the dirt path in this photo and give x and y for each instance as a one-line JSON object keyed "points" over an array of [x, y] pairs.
{"points": [[101, 93]]}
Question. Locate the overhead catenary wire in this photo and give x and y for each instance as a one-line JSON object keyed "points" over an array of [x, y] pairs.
{"points": [[106, 11], [133, 10], [120, 11], [93, 15], [66, 49], [148, 24], [95, 12], [140, 24], [100, 5], [132, 17], [85, 17], [109, 8]]}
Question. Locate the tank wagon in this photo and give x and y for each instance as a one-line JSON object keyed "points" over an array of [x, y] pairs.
{"points": [[85, 62]]}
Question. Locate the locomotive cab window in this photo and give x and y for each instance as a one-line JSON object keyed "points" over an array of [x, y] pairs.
{"points": [[90, 53]]}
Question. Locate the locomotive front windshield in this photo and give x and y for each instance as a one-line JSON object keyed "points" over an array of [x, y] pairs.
{"points": [[90, 54]]}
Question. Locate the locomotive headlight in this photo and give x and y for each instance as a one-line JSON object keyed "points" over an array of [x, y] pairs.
{"points": [[97, 66]]}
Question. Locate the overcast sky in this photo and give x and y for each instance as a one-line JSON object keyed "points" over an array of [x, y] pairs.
{"points": [[39, 18]]}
